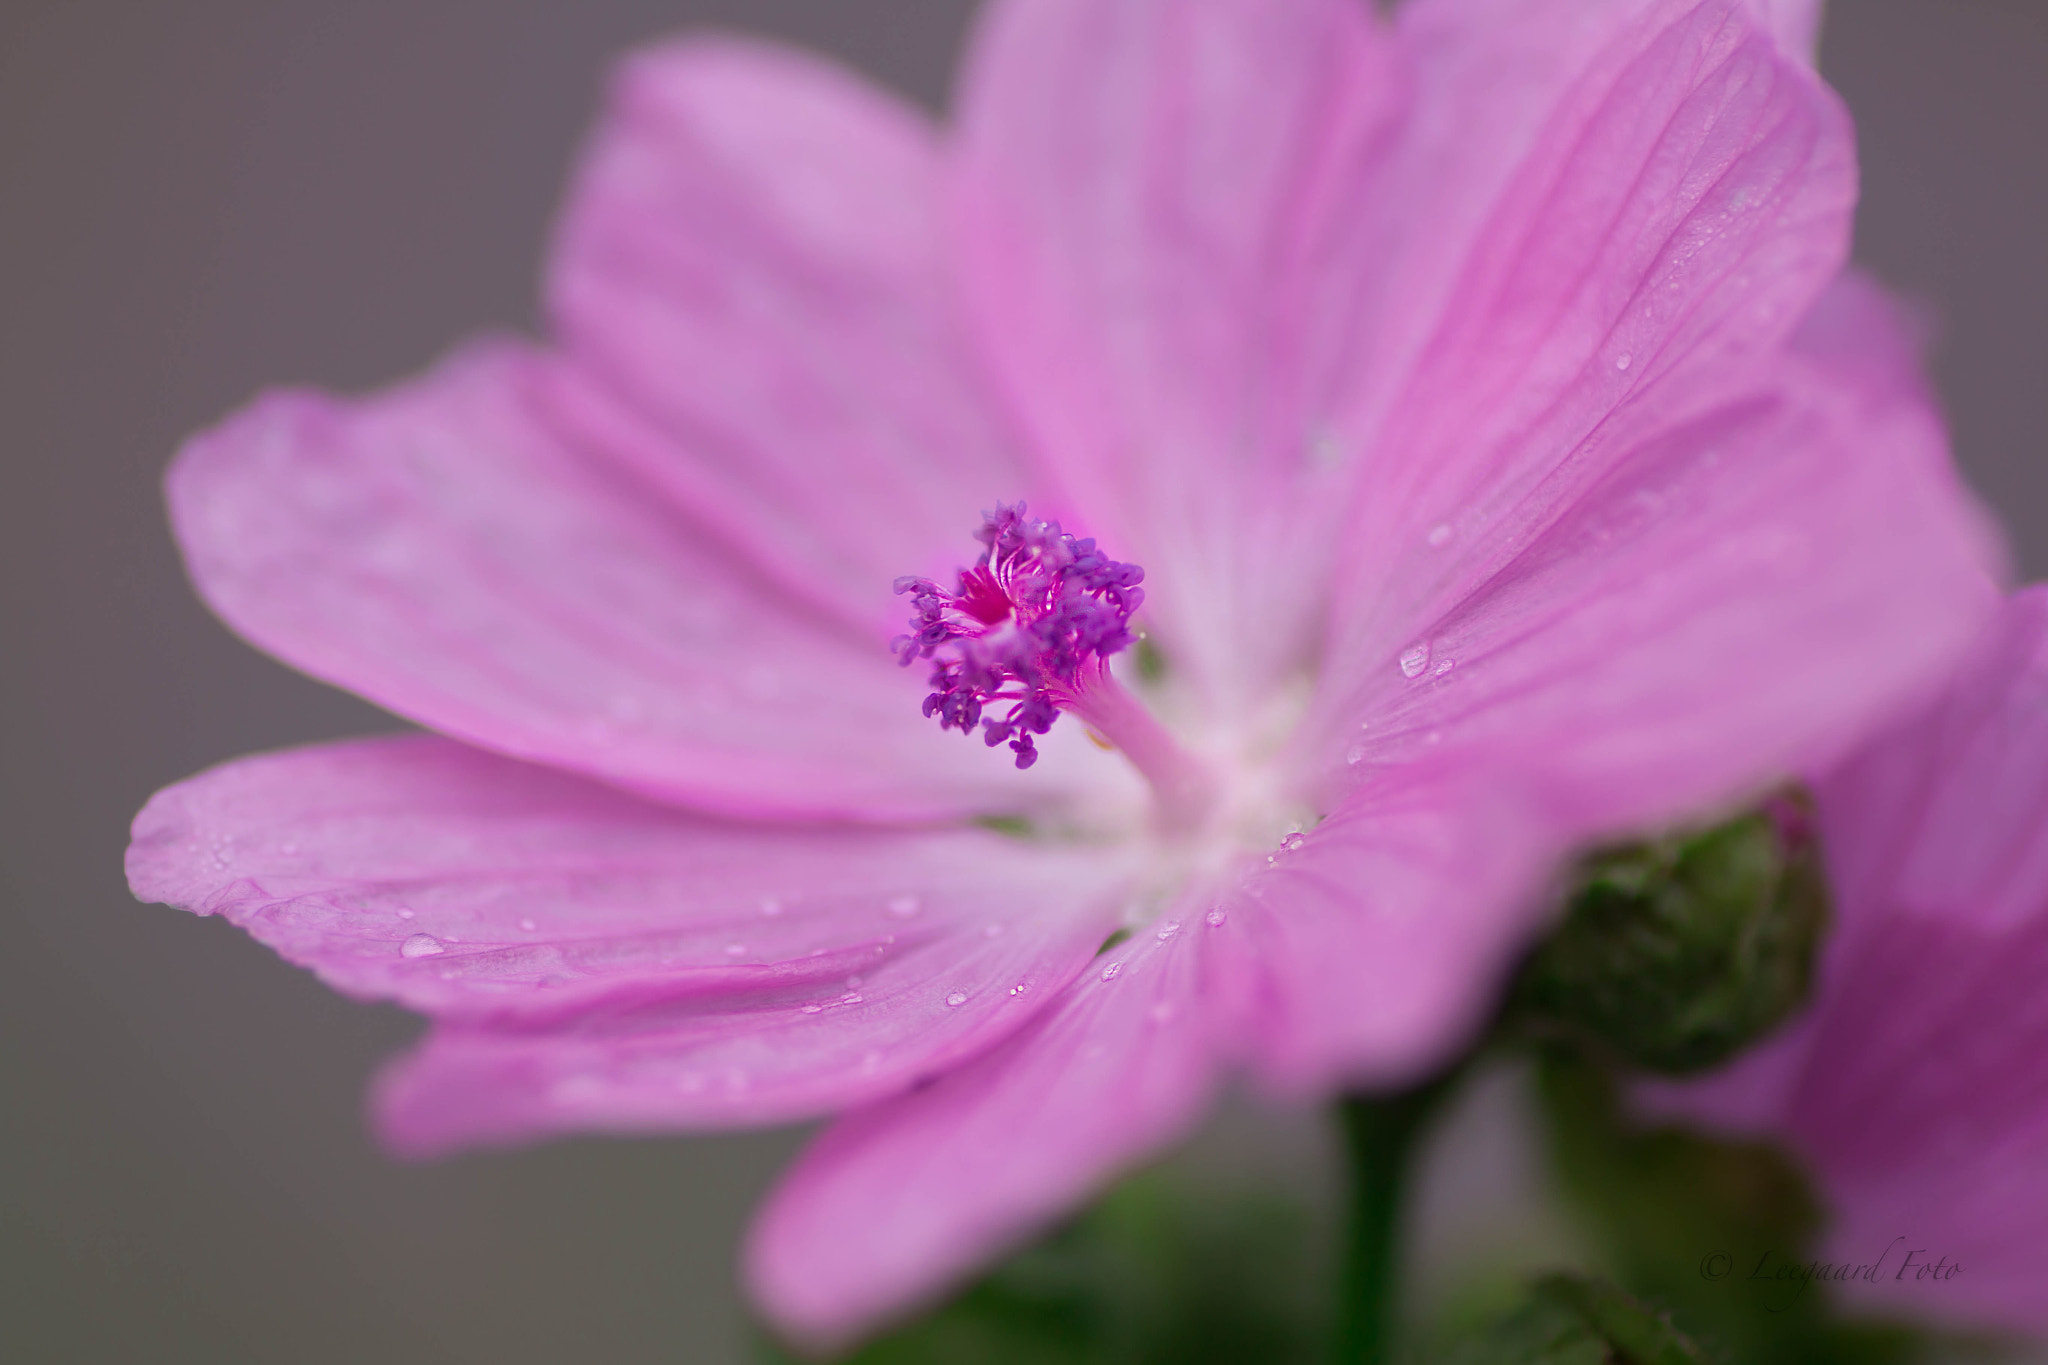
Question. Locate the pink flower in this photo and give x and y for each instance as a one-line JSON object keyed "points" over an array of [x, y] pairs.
{"points": [[1915, 1085], [1448, 381]]}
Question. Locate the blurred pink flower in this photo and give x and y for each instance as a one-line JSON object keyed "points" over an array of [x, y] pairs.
{"points": [[1916, 1085], [1448, 380]]}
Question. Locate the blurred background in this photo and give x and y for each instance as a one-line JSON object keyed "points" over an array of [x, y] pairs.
{"points": [[203, 197]]}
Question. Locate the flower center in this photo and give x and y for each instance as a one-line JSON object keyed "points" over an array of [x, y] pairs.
{"points": [[1028, 633]]}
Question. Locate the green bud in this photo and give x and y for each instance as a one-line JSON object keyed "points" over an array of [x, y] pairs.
{"points": [[1677, 953]]}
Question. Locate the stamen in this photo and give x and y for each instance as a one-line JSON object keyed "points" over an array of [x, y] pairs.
{"points": [[1030, 629], [1033, 624]]}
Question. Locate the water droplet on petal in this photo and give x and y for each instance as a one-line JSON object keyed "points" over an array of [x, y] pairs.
{"points": [[1109, 972], [1415, 659], [1623, 361], [1439, 535], [812, 1009], [420, 945], [956, 999], [1444, 666], [1295, 839], [404, 913], [1355, 754], [903, 907], [851, 998], [1168, 930], [1214, 919]]}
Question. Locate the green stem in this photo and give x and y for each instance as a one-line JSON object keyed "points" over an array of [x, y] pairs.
{"points": [[1379, 1137]]}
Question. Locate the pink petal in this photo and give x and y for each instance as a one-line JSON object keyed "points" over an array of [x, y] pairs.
{"points": [[896, 1204], [1235, 258], [1795, 22], [751, 258], [603, 962], [1370, 948], [1600, 211], [1151, 194], [1914, 1084], [1743, 593], [439, 549]]}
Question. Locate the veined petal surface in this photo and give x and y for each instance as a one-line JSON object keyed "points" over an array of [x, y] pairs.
{"points": [[752, 263], [440, 549], [1743, 593], [601, 962], [1151, 199], [1366, 951], [896, 1203]]}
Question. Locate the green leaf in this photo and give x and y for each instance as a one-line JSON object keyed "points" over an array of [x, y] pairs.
{"points": [[1572, 1320]]}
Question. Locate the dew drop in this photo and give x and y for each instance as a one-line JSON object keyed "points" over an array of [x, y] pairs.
{"points": [[1415, 659], [421, 945], [404, 913], [1439, 535], [903, 907], [1354, 754], [956, 999], [1295, 839], [1623, 361], [812, 1009], [1214, 919], [1444, 667], [1109, 972], [851, 998], [1168, 930]]}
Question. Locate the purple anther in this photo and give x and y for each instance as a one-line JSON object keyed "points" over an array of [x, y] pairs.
{"points": [[1031, 624]]}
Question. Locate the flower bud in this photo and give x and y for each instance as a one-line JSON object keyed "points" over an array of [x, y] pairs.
{"points": [[1678, 952]]}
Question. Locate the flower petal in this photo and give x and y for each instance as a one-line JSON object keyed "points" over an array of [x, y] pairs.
{"points": [[1371, 947], [1601, 209], [440, 550], [1742, 594], [895, 1204], [1913, 1085], [1796, 22], [1147, 194], [751, 260], [602, 962], [1235, 259]]}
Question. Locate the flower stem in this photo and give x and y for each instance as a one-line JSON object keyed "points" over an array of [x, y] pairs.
{"points": [[1379, 1140]]}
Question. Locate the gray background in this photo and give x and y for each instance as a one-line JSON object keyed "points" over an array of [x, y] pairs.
{"points": [[200, 198]]}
